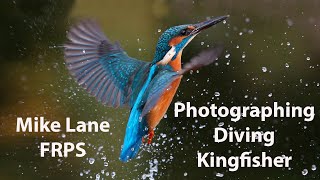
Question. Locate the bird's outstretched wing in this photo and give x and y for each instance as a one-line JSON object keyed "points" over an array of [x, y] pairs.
{"points": [[102, 68]]}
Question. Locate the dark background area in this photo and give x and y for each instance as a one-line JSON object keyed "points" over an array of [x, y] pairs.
{"points": [[271, 54]]}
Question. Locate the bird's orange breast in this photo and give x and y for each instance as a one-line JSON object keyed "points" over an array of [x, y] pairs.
{"points": [[161, 107], [176, 64]]}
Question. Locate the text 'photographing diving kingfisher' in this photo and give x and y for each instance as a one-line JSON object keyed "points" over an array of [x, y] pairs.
{"points": [[106, 71]]}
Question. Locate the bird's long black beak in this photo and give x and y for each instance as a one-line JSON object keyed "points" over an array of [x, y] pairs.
{"points": [[206, 24]]}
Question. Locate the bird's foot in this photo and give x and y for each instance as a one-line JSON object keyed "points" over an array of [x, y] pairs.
{"points": [[150, 136]]}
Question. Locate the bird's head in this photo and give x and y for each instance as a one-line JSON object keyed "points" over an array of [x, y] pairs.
{"points": [[176, 38]]}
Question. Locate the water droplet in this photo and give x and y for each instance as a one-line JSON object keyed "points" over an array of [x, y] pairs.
{"points": [[159, 30], [286, 65], [290, 22], [264, 69], [224, 21], [202, 126], [202, 43], [219, 175], [63, 135], [83, 51], [221, 124], [91, 160], [270, 95], [163, 135], [288, 44], [227, 56], [87, 171], [313, 167], [113, 174], [308, 58], [97, 176], [305, 172], [185, 174], [216, 94]]}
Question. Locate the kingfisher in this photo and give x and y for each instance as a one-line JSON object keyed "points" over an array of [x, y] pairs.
{"points": [[115, 79]]}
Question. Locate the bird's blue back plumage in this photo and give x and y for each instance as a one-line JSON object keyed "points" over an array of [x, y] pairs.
{"points": [[137, 125]]}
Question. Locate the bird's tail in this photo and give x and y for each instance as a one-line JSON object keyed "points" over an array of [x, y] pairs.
{"points": [[136, 129]]}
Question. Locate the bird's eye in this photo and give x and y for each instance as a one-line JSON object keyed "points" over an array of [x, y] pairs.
{"points": [[184, 32]]}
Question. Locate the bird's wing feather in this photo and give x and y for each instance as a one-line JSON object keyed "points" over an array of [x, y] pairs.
{"points": [[101, 67], [159, 84], [204, 58]]}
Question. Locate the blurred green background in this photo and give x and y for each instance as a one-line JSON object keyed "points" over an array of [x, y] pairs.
{"points": [[271, 54]]}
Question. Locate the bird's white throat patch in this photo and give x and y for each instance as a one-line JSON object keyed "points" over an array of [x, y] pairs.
{"points": [[167, 58]]}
